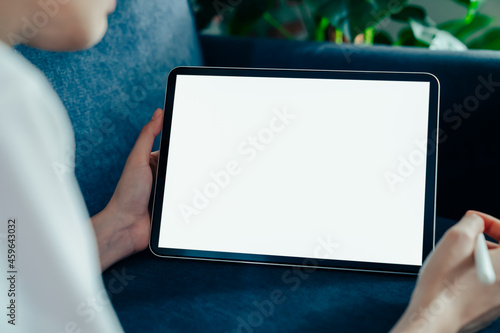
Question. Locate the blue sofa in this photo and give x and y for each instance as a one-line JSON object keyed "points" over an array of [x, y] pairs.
{"points": [[110, 92]]}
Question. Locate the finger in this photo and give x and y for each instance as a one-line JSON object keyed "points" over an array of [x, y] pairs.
{"points": [[155, 154], [142, 148], [460, 240], [491, 224], [492, 246], [153, 158], [153, 162]]}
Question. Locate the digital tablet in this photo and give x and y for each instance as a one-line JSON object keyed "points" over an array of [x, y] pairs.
{"points": [[333, 169]]}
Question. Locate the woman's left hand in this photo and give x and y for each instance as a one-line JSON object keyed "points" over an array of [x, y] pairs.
{"points": [[123, 227]]}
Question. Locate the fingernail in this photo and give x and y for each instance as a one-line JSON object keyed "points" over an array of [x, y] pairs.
{"points": [[156, 114]]}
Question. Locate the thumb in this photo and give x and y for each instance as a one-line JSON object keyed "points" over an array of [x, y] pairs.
{"points": [[144, 144]]}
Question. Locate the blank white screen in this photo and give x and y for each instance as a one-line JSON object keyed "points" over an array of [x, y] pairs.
{"points": [[317, 175]]}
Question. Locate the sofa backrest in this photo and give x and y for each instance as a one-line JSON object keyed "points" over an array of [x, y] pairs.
{"points": [[111, 90]]}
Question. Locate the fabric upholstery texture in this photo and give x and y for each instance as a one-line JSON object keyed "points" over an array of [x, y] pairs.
{"points": [[174, 295]]}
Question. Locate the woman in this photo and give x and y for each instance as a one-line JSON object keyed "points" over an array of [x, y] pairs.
{"points": [[58, 287], [59, 254]]}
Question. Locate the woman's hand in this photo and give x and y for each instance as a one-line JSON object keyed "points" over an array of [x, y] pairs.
{"points": [[448, 296], [123, 227]]}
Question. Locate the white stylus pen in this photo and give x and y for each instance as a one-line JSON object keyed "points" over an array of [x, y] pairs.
{"points": [[484, 267]]}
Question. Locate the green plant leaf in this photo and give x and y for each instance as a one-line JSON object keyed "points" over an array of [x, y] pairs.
{"points": [[467, 3], [335, 11], [435, 38], [392, 6], [488, 41], [385, 8], [462, 30], [369, 35], [276, 25], [444, 41], [353, 17], [406, 38], [463, 2], [320, 29], [416, 13], [246, 14], [473, 7], [360, 17], [422, 32], [382, 37], [339, 37]]}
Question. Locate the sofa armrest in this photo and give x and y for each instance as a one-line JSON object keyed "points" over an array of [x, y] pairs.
{"points": [[469, 147]]}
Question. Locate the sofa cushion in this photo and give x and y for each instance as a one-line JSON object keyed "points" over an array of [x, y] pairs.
{"points": [[111, 90], [175, 295]]}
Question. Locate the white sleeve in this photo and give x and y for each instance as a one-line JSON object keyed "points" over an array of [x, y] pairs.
{"points": [[56, 285]]}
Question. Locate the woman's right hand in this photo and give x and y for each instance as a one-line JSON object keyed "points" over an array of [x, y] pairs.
{"points": [[448, 296]]}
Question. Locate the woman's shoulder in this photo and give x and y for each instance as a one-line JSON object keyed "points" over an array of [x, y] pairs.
{"points": [[30, 108], [18, 77]]}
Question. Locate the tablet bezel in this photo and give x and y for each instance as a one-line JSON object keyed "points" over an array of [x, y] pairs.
{"points": [[430, 182]]}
